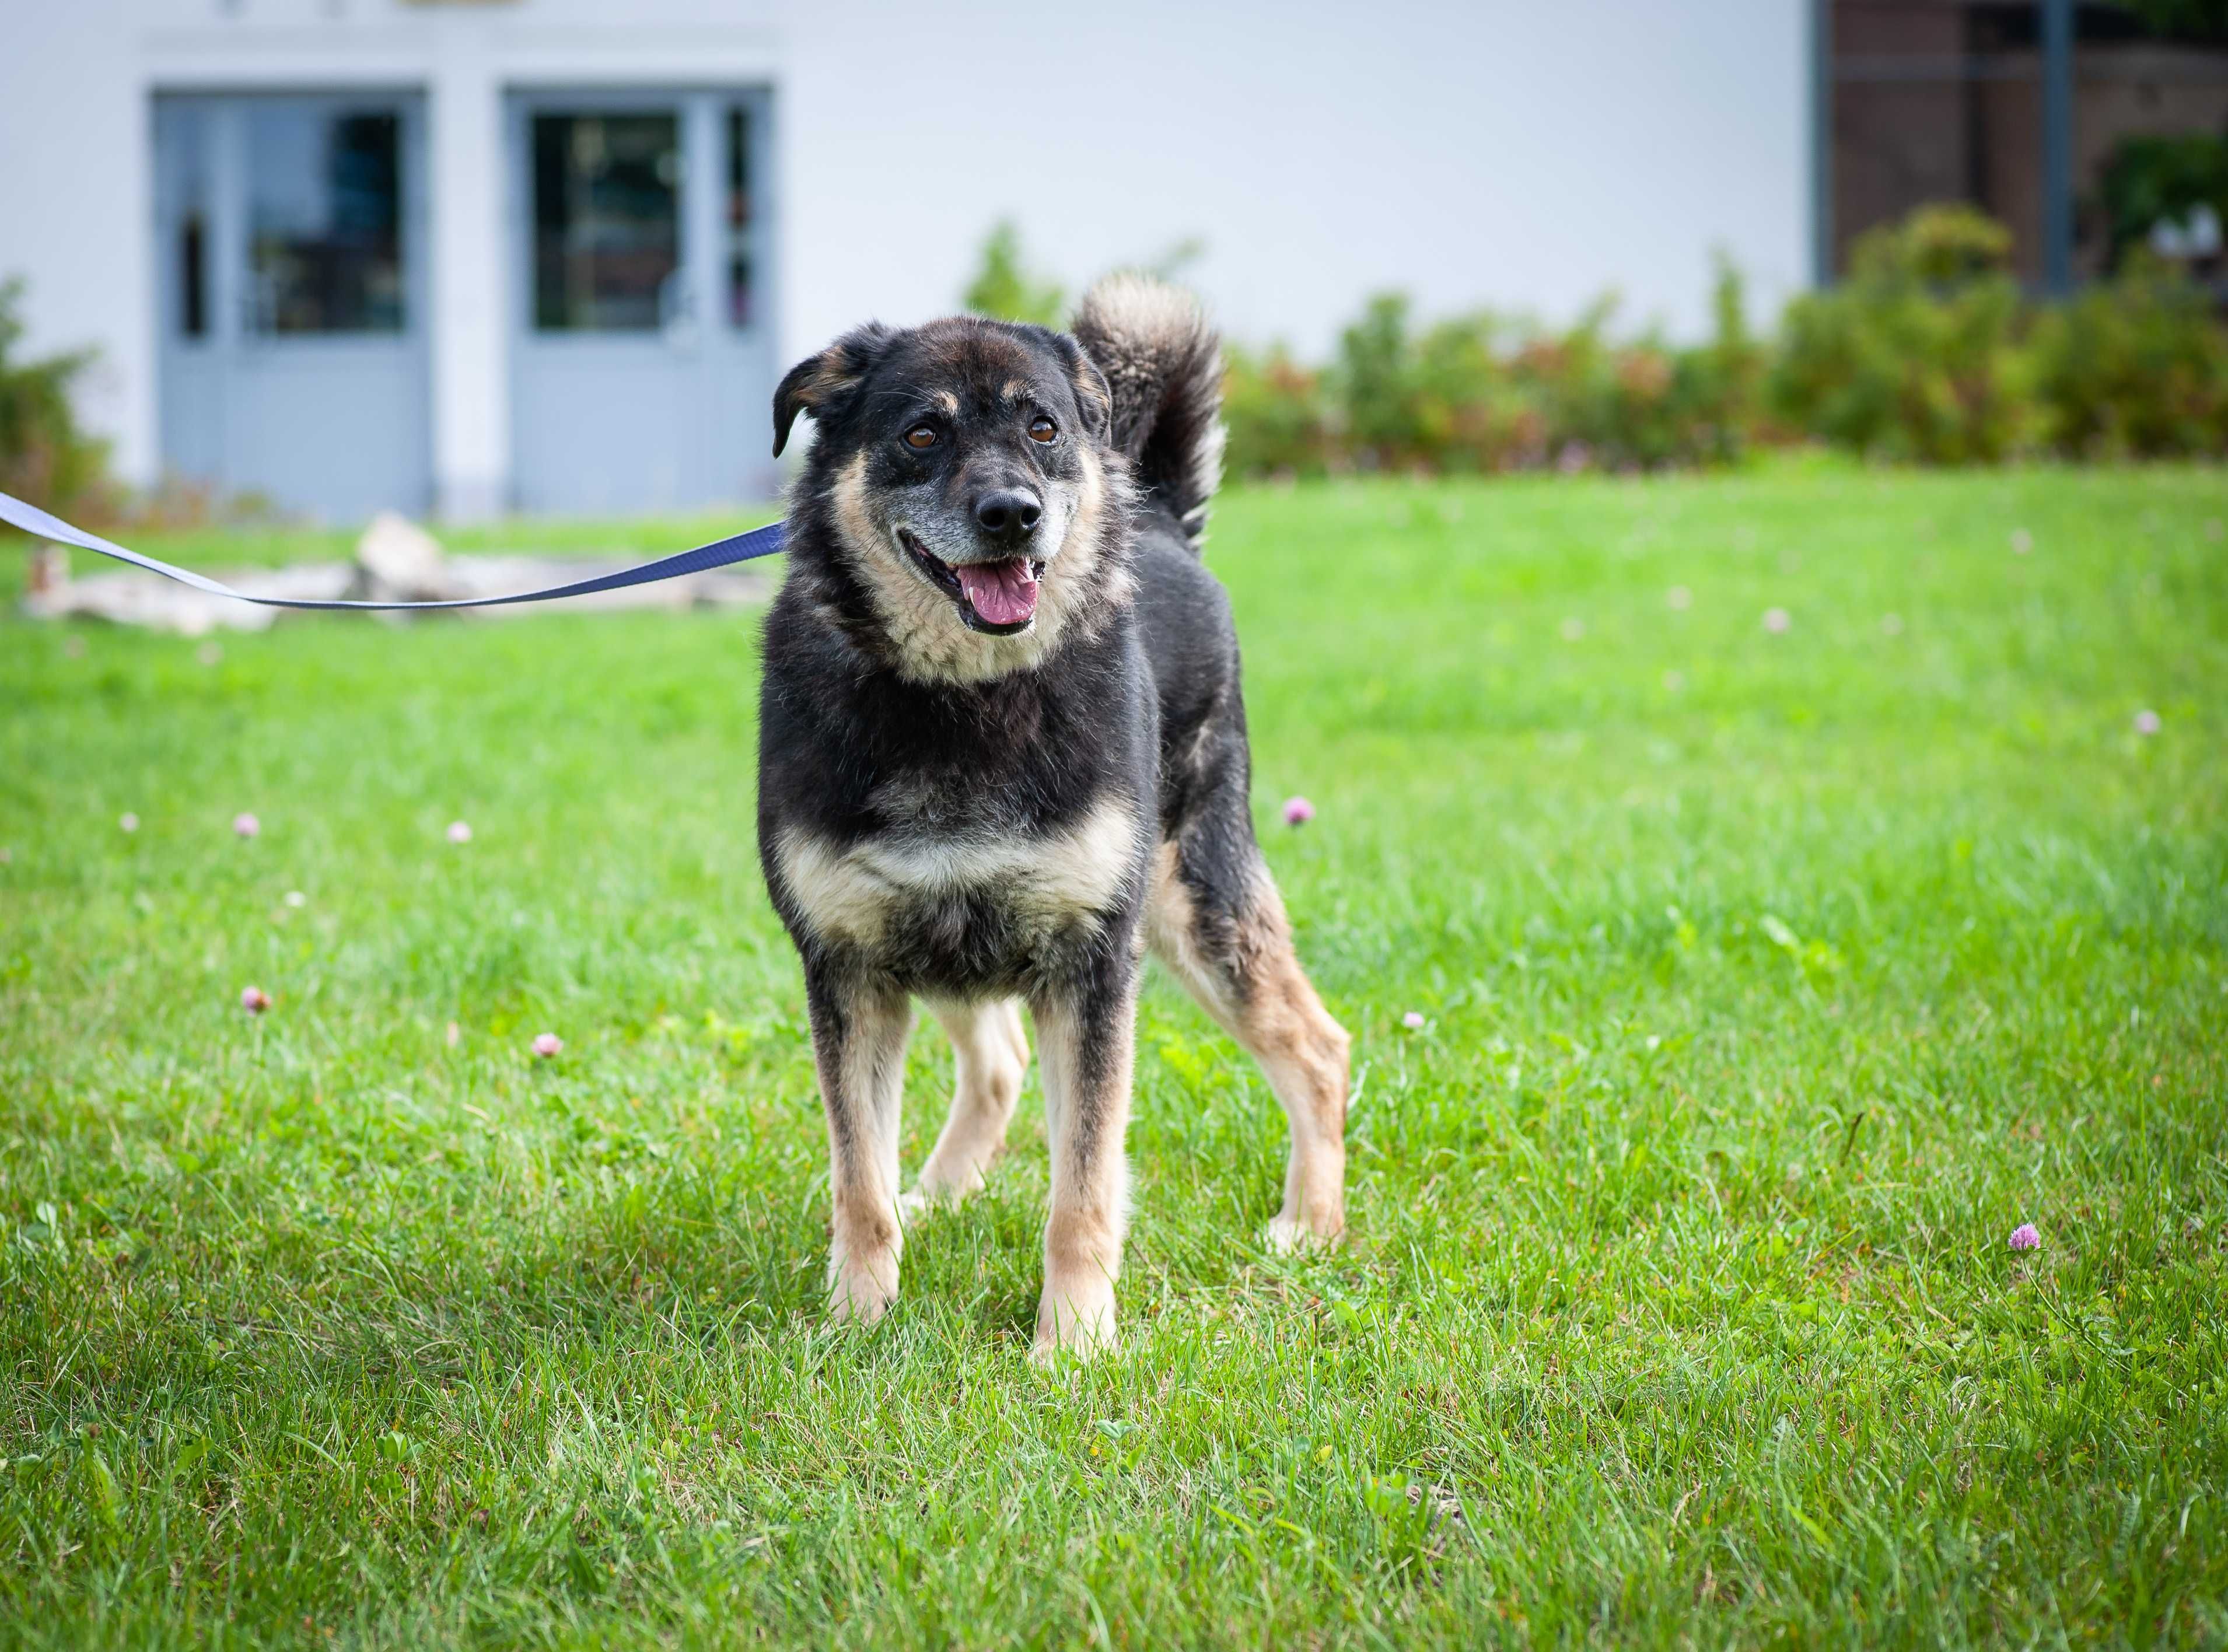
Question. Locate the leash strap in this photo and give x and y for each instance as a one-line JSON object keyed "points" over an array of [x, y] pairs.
{"points": [[737, 548]]}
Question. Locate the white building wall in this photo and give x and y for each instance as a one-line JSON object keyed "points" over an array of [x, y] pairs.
{"points": [[1525, 153], [76, 208], [1488, 151]]}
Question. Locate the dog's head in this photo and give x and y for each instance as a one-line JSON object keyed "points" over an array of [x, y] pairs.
{"points": [[967, 484]]}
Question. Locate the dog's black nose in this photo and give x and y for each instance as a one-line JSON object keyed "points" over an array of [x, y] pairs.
{"points": [[1009, 514]]}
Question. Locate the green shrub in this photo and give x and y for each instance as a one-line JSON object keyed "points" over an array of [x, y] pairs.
{"points": [[44, 457], [2134, 368], [1449, 401], [1620, 405], [1276, 411], [1928, 353], [1486, 391], [1917, 356], [1377, 385], [1723, 381], [1475, 409], [1004, 291], [2182, 19], [2150, 180]]}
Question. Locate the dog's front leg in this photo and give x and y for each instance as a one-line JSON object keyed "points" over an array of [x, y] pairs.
{"points": [[858, 1032], [1086, 1038]]}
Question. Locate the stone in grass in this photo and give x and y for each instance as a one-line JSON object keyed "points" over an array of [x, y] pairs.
{"points": [[399, 561]]}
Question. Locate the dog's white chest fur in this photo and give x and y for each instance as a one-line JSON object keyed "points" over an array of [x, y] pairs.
{"points": [[1042, 881]]}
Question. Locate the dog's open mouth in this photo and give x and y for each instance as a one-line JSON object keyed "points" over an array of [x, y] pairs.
{"points": [[1000, 598]]}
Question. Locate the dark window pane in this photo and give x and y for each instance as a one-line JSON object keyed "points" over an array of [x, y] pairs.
{"points": [[324, 203], [193, 282], [739, 310], [607, 221]]}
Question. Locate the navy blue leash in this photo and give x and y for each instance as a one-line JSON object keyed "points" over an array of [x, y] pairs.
{"points": [[737, 547]]}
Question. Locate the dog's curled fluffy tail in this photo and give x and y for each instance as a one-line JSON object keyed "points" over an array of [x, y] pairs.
{"points": [[1163, 364]]}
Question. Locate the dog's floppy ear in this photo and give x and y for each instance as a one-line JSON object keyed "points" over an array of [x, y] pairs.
{"points": [[1093, 395], [818, 382]]}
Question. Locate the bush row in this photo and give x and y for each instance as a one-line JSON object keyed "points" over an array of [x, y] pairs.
{"points": [[1928, 353], [44, 455]]}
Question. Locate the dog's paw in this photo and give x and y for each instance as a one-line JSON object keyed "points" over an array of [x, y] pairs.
{"points": [[1290, 1234], [1078, 1322], [1048, 1352], [860, 1293]]}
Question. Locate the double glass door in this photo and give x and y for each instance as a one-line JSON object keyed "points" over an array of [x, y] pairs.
{"points": [[644, 356], [291, 299]]}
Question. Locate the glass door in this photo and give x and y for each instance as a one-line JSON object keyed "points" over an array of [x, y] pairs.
{"points": [[291, 300], [642, 363]]}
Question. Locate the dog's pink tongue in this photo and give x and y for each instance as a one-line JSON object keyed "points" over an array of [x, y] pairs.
{"points": [[1004, 593]]}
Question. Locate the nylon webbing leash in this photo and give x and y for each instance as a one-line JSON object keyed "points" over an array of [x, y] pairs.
{"points": [[719, 553]]}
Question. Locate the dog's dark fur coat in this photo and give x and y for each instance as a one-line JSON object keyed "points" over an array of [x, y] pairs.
{"points": [[975, 808]]}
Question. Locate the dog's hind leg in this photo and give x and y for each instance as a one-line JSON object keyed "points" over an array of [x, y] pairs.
{"points": [[989, 1053], [859, 1042], [1216, 920]]}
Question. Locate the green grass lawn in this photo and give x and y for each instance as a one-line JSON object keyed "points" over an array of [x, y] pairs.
{"points": [[1769, 977]]}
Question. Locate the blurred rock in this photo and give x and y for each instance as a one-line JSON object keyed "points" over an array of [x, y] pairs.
{"points": [[401, 562]]}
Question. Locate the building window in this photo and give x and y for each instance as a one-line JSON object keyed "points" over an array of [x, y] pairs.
{"points": [[193, 276], [324, 203], [606, 222]]}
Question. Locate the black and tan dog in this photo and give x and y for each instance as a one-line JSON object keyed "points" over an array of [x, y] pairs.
{"points": [[1002, 751]]}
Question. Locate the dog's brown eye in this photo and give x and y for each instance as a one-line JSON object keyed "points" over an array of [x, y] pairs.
{"points": [[921, 436], [1042, 429]]}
